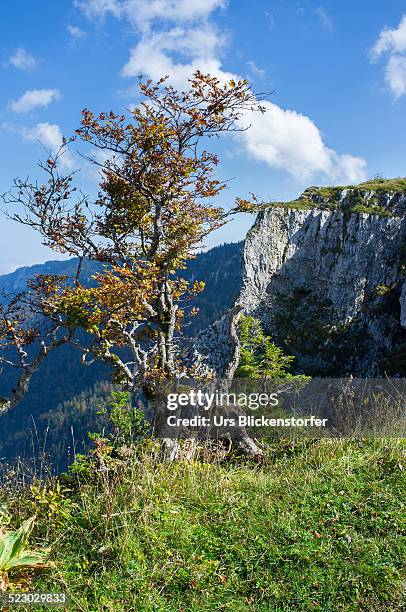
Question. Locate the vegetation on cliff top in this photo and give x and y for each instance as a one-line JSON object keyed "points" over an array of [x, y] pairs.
{"points": [[362, 198]]}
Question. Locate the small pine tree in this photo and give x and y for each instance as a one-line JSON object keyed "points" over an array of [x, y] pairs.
{"points": [[259, 356]]}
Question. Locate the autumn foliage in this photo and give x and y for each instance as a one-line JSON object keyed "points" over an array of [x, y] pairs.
{"points": [[153, 211]]}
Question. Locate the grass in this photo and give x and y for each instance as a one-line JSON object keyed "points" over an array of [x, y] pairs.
{"points": [[319, 526], [397, 185], [355, 202]]}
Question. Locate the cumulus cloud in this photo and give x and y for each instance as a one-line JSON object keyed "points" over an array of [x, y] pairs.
{"points": [[34, 98], [49, 136], [157, 55], [391, 43], [290, 141], [392, 40], [23, 60], [188, 32], [395, 75], [176, 37], [141, 12]]}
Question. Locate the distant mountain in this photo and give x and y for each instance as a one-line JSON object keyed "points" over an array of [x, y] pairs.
{"points": [[64, 383], [15, 282]]}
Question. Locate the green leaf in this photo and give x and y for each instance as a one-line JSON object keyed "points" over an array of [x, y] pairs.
{"points": [[13, 552]]}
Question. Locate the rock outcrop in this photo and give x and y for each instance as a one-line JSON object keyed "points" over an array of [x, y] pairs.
{"points": [[216, 350], [325, 275]]}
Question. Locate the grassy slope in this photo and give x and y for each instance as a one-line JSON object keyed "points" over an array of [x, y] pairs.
{"points": [[395, 185], [318, 527], [356, 202]]}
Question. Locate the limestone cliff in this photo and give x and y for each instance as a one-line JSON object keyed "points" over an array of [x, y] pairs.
{"points": [[325, 274]]}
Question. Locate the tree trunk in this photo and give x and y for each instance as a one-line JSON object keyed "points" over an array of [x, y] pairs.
{"points": [[182, 443]]}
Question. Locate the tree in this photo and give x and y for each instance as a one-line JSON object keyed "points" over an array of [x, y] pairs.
{"points": [[259, 356], [153, 212]]}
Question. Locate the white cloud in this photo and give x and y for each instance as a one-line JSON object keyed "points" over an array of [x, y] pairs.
{"points": [[49, 136], [141, 12], [177, 37], [34, 98], [395, 75], [76, 32], [156, 55], [325, 18], [287, 140], [23, 60], [190, 34], [391, 42], [99, 8], [284, 139], [145, 11]]}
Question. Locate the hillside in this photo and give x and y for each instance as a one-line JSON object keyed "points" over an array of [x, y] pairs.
{"points": [[319, 526], [56, 389]]}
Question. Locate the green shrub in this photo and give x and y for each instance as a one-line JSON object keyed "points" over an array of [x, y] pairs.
{"points": [[129, 423]]}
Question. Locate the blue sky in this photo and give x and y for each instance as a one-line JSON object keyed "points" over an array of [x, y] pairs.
{"points": [[337, 71]]}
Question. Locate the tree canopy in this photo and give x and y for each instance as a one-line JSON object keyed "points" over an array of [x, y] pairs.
{"points": [[153, 211]]}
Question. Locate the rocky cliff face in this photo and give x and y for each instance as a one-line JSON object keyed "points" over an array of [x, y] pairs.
{"points": [[325, 274]]}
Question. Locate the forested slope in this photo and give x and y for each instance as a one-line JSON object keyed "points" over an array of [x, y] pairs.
{"points": [[52, 414]]}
